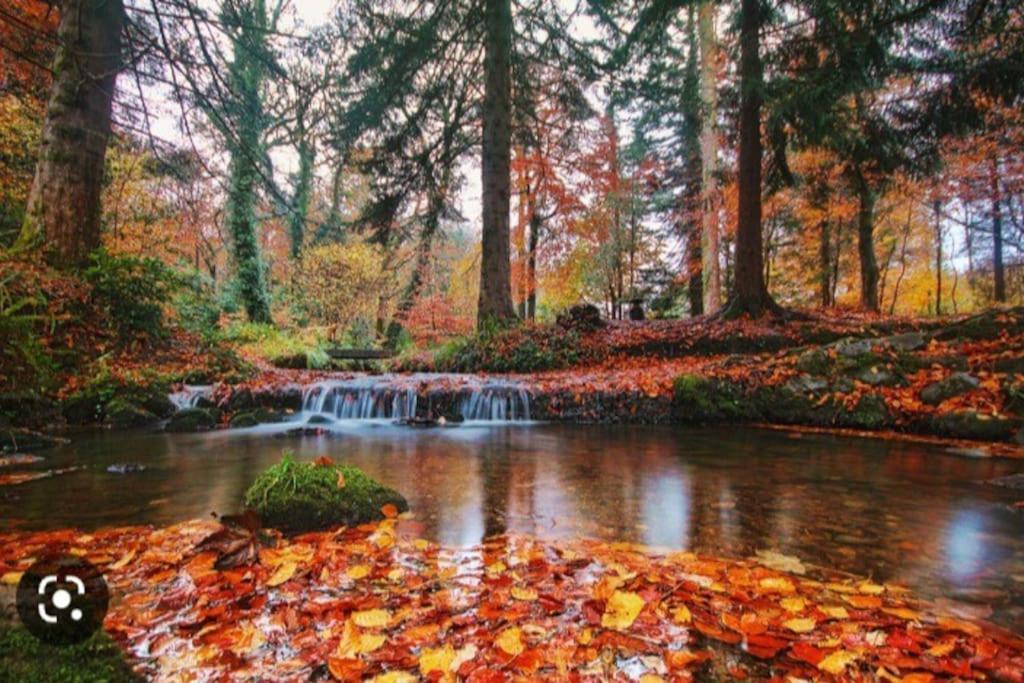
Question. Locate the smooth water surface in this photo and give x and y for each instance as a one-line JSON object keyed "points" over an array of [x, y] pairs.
{"points": [[899, 512]]}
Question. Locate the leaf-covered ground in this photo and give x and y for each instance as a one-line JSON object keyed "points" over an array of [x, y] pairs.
{"points": [[378, 603]]}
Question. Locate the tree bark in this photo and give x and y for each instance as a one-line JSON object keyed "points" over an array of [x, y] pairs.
{"points": [[303, 188], [825, 264], [998, 268], [63, 212], [937, 206], [866, 247], [709, 158], [495, 302], [531, 260], [750, 295]]}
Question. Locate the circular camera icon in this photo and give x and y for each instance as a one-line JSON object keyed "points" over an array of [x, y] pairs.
{"points": [[62, 599]]}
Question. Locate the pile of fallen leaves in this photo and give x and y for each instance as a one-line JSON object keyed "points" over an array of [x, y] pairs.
{"points": [[199, 601]]}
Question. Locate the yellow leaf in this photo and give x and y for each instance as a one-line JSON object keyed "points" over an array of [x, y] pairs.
{"points": [[621, 610], [836, 662], [395, 575], [394, 677], [358, 571], [869, 588], [681, 615], [284, 572], [526, 594], [902, 613], [510, 641], [804, 625], [943, 648], [777, 584], [436, 659], [354, 642], [836, 611], [793, 604], [11, 578], [651, 678], [496, 568], [421, 544], [372, 618], [585, 637]]}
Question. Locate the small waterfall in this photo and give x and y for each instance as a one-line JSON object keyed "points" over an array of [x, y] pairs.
{"points": [[421, 396], [366, 398], [497, 401], [190, 395]]}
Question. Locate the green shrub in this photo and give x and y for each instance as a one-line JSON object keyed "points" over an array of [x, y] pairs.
{"points": [[279, 347], [132, 292], [522, 348], [20, 319], [305, 496], [197, 305]]}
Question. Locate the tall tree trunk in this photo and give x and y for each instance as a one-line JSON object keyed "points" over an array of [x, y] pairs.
{"points": [[495, 268], [866, 245], [709, 158], [245, 77], [750, 295], [303, 188], [998, 269], [531, 261], [63, 212], [692, 209], [936, 207], [825, 264]]}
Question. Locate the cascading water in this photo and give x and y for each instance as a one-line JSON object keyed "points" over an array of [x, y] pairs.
{"points": [[366, 398], [417, 397], [190, 395], [497, 401]]}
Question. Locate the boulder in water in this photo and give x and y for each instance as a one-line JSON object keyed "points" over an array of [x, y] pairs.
{"points": [[296, 497], [122, 413], [191, 420]]}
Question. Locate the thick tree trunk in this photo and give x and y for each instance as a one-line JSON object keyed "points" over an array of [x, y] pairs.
{"points": [[750, 295], [495, 269], [63, 213], [709, 158], [866, 247], [998, 268], [531, 262]]}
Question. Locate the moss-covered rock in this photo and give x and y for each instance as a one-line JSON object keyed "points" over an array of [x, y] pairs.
{"points": [[24, 440], [191, 420], [122, 413], [26, 659], [968, 424], [698, 399], [814, 361], [252, 418], [1013, 388], [869, 413], [303, 496], [954, 385]]}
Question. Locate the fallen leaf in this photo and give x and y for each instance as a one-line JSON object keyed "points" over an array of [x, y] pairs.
{"points": [[622, 610], [372, 618], [284, 572], [837, 661], [805, 625], [510, 641]]}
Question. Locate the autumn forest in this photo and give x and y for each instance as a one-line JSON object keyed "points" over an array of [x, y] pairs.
{"points": [[511, 340]]}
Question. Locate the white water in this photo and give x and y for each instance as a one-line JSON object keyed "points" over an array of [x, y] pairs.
{"points": [[396, 397], [190, 395]]}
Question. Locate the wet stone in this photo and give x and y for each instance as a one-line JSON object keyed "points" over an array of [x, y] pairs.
{"points": [[956, 384]]}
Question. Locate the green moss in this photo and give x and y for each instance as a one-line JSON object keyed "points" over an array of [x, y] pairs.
{"points": [[297, 496], [191, 420], [124, 413], [698, 399], [25, 659]]}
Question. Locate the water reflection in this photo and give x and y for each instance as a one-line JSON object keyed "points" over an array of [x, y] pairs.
{"points": [[898, 512]]}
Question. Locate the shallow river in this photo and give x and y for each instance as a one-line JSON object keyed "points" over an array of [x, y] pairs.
{"points": [[899, 512]]}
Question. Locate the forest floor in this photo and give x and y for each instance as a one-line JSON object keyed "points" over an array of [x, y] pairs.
{"points": [[378, 602]]}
